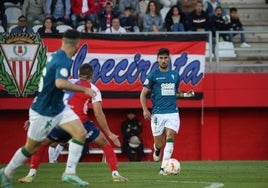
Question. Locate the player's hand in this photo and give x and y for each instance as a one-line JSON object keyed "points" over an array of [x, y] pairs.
{"points": [[189, 94], [115, 139], [147, 114], [26, 125], [90, 92]]}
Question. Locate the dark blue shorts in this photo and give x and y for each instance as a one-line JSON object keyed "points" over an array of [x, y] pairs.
{"points": [[59, 135]]}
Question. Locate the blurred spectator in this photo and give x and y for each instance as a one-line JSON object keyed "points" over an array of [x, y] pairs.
{"points": [[48, 28], [59, 10], [152, 21], [168, 3], [175, 19], [88, 27], [34, 10], [143, 6], [82, 10], [198, 19], [14, 1], [131, 129], [217, 23], [116, 28], [236, 25], [3, 15], [106, 15], [209, 6], [99, 4], [128, 22], [187, 6], [133, 4], [22, 26]]}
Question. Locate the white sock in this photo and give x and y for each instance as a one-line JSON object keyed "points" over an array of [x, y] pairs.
{"points": [[168, 150], [32, 172], [17, 160], [51, 152], [57, 151], [75, 151]]}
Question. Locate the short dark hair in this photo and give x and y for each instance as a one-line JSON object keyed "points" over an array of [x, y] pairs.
{"points": [[22, 16], [233, 9], [163, 51], [72, 34], [86, 71]]}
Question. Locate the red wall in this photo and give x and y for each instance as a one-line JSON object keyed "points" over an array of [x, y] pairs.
{"points": [[233, 124]]}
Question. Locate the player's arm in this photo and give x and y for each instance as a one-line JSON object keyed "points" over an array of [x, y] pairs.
{"points": [[66, 85], [146, 112], [185, 94], [102, 121]]}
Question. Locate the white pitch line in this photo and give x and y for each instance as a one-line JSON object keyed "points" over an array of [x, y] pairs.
{"points": [[211, 184]]}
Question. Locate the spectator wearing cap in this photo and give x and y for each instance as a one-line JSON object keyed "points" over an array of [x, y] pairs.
{"points": [[106, 15], [22, 26]]}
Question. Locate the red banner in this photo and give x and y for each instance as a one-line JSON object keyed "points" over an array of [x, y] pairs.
{"points": [[121, 62]]}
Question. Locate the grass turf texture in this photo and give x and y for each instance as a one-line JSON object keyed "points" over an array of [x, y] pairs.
{"points": [[227, 174]]}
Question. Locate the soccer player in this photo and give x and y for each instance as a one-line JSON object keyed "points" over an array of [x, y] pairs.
{"points": [[163, 84], [48, 111], [79, 103]]}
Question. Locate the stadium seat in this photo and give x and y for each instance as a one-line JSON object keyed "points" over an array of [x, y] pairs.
{"points": [[207, 50], [12, 14], [80, 28], [2, 30], [226, 49], [36, 27], [63, 28]]}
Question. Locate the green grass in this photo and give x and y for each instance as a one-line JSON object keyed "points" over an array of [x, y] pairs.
{"points": [[227, 174]]}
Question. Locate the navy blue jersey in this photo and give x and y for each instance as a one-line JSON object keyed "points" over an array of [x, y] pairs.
{"points": [[49, 101], [163, 86]]}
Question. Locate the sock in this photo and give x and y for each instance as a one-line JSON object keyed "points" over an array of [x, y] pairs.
{"points": [[32, 172], [168, 150], [57, 151], [17, 160], [36, 159], [110, 157], [75, 151], [51, 153]]}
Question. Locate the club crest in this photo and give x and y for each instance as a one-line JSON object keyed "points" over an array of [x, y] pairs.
{"points": [[22, 58]]}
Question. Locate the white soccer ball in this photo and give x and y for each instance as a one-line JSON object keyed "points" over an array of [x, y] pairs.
{"points": [[172, 167]]}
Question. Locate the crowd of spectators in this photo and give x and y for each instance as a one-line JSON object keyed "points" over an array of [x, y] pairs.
{"points": [[131, 16]]}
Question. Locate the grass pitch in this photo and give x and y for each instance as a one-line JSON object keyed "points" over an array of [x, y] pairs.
{"points": [[227, 174]]}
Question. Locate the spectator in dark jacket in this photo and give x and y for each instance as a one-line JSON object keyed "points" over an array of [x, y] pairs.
{"points": [[48, 28], [22, 26], [127, 21], [106, 15], [175, 19], [131, 129], [217, 23], [198, 19], [236, 25]]}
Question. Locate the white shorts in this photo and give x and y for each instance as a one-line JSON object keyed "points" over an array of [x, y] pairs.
{"points": [[161, 121], [40, 125]]}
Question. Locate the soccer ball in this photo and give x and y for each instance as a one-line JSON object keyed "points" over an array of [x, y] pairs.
{"points": [[172, 167]]}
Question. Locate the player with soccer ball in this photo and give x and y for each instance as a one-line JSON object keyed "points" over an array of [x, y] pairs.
{"points": [[163, 85]]}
